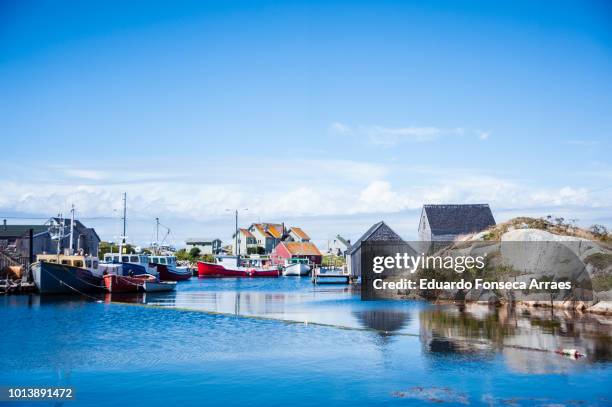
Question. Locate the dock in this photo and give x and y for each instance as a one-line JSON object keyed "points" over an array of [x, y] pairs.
{"points": [[331, 275], [16, 287]]}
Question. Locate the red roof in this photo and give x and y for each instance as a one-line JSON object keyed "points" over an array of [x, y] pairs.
{"points": [[275, 230], [302, 249], [246, 233], [300, 233], [269, 229]]}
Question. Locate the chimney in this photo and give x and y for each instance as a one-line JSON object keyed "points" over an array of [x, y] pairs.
{"points": [[4, 224]]}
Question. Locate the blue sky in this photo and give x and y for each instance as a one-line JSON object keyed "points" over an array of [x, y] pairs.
{"points": [[330, 114]]}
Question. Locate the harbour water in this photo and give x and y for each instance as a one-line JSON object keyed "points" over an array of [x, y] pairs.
{"points": [[286, 342]]}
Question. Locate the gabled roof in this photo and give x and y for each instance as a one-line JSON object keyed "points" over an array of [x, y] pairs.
{"points": [[299, 233], [302, 248], [78, 225], [343, 240], [275, 230], [458, 219], [390, 235], [261, 229], [246, 232]]}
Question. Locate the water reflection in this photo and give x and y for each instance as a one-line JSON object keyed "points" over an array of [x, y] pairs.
{"points": [[521, 335], [384, 321], [526, 338]]}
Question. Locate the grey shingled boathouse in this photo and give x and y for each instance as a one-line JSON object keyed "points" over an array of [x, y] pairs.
{"points": [[377, 232], [446, 222]]}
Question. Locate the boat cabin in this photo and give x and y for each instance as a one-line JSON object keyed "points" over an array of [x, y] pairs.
{"points": [[126, 258], [166, 260], [75, 260], [297, 260]]}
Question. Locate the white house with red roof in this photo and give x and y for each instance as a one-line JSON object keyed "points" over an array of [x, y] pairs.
{"points": [[285, 251], [262, 238]]}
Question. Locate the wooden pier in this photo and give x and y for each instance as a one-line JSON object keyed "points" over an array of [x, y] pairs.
{"points": [[16, 287], [331, 275]]}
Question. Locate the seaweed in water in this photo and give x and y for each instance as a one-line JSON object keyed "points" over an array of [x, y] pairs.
{"points": [[433, 395]]}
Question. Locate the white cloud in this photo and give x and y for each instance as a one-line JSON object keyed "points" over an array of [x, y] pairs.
{"points": [[310, 188], [386, 136], [391, 136], [483, 135], [340, 129], [583, 143], [86, 174]]}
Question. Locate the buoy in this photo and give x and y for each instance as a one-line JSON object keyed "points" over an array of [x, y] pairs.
{"points": [[572, 353]]}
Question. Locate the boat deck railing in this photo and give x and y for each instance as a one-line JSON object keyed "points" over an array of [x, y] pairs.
{"points": [[330, 275]]}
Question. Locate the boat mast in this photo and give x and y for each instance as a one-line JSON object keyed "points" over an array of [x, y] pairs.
{"points": [[156, 236], [60, 234], [71, 230], [122, 241]]}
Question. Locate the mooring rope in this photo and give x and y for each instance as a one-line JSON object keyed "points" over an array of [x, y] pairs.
{"points": [[62, 282]]}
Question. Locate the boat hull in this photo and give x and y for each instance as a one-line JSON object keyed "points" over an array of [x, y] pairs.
{"points": [[171, 274], [218, 271], [159, 286], [125, 284], [52, 278], [297, 269]]}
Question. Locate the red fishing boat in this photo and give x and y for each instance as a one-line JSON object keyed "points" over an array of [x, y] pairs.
{"points": [[126, 284], [228, 267]]}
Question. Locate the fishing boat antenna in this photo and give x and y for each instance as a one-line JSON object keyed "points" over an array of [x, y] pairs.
{"points": [[122, 241], [56, 231], [156, 235], [71, 230]]}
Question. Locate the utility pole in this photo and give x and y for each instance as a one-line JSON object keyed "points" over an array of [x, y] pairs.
{"points": [[236, 240], [237, 246]]}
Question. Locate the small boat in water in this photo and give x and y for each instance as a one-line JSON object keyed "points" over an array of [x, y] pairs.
{"points": [[168, 270], [116, 283], [159, 286], [229, 266], [297, 267], [64, 274]]}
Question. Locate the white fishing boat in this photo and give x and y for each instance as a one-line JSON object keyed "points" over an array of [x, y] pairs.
{"points": [[297, 267], [159, 286]]}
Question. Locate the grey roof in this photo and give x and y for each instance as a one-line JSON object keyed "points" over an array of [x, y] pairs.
{"points": [[193, 240], [458, 219], [391, 236], [343, 240], [78, 225], [14, 231]]}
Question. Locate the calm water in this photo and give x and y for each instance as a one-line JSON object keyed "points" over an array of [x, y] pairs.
{"points": [[284, 342]]}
